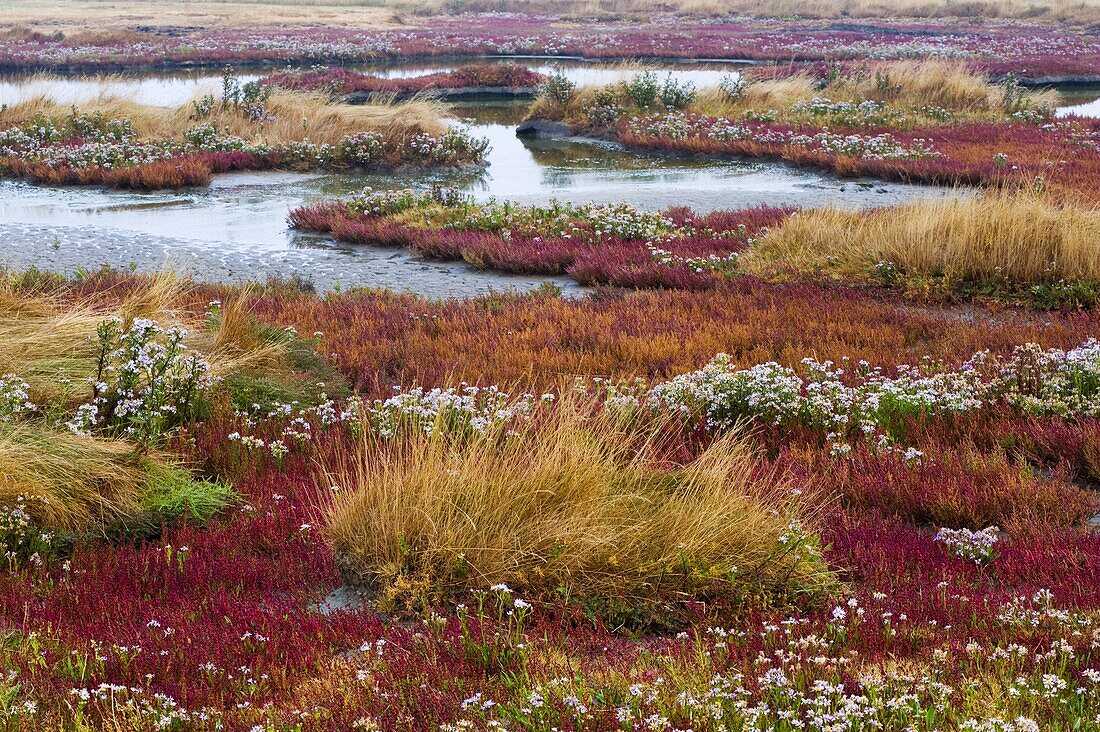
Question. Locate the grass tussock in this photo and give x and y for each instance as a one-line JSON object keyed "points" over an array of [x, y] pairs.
{"points": [[109, 37], [291, 117], [51, 342], [68, 482], [578, 506], [1019, 238], [952, 85], [78, 484]]}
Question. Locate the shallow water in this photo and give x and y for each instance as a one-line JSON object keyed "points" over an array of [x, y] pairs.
{"points": [[173, 88], [1081, 100], [236, 228]]}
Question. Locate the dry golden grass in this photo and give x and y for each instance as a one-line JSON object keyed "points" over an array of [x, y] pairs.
{"points": [[760, 95], [579, 504], [75, 483], [903, 86], [297, 116], [69, 482], [949, 84], [1021, 237], [51, 343]]}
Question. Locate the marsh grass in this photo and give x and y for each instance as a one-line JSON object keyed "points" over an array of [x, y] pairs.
{"points": [[291, 117], [50, 341], [913, 91], [71, 482], [578, 506], [80, 485], [170, 493], [1013, 239]]}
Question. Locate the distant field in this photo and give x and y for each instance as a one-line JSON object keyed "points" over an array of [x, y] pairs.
{"points": [[1087, 11], [81, 14], [75, 14]]}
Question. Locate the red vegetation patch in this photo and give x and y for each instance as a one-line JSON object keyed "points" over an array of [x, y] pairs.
{"points": [[951, 487], [176, 173], [613, 261], [1064, 158], [379, 341], [230, 628]]}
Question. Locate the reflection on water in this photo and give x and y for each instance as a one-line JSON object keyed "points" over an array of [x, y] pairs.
{"points": [[168, 89], [1081, 99], [533, 171]]}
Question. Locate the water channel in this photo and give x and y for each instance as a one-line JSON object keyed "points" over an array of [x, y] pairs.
{"points": [[236, 229]]}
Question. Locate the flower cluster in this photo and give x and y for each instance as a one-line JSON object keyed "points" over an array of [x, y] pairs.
{"points": [[146, 383], [850, 114], [14, 397], [976, 546], [723, 395], [1047, 382], [455, 411], [867, 402], [21, 541], [112, 145], [81, 141], [862, 401], [583, 224], [453, 147], [811, 675], [728, 263], [586, 222]]}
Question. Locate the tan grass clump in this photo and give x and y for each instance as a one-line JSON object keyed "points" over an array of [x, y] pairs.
{"points": [[952, 85], [68, 482], [1021, 237], [578, 505]]}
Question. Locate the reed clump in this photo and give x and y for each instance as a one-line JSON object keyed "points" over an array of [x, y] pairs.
{"points": [[1023, 239], [67, 481], [902, 94], [573, 505]]}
